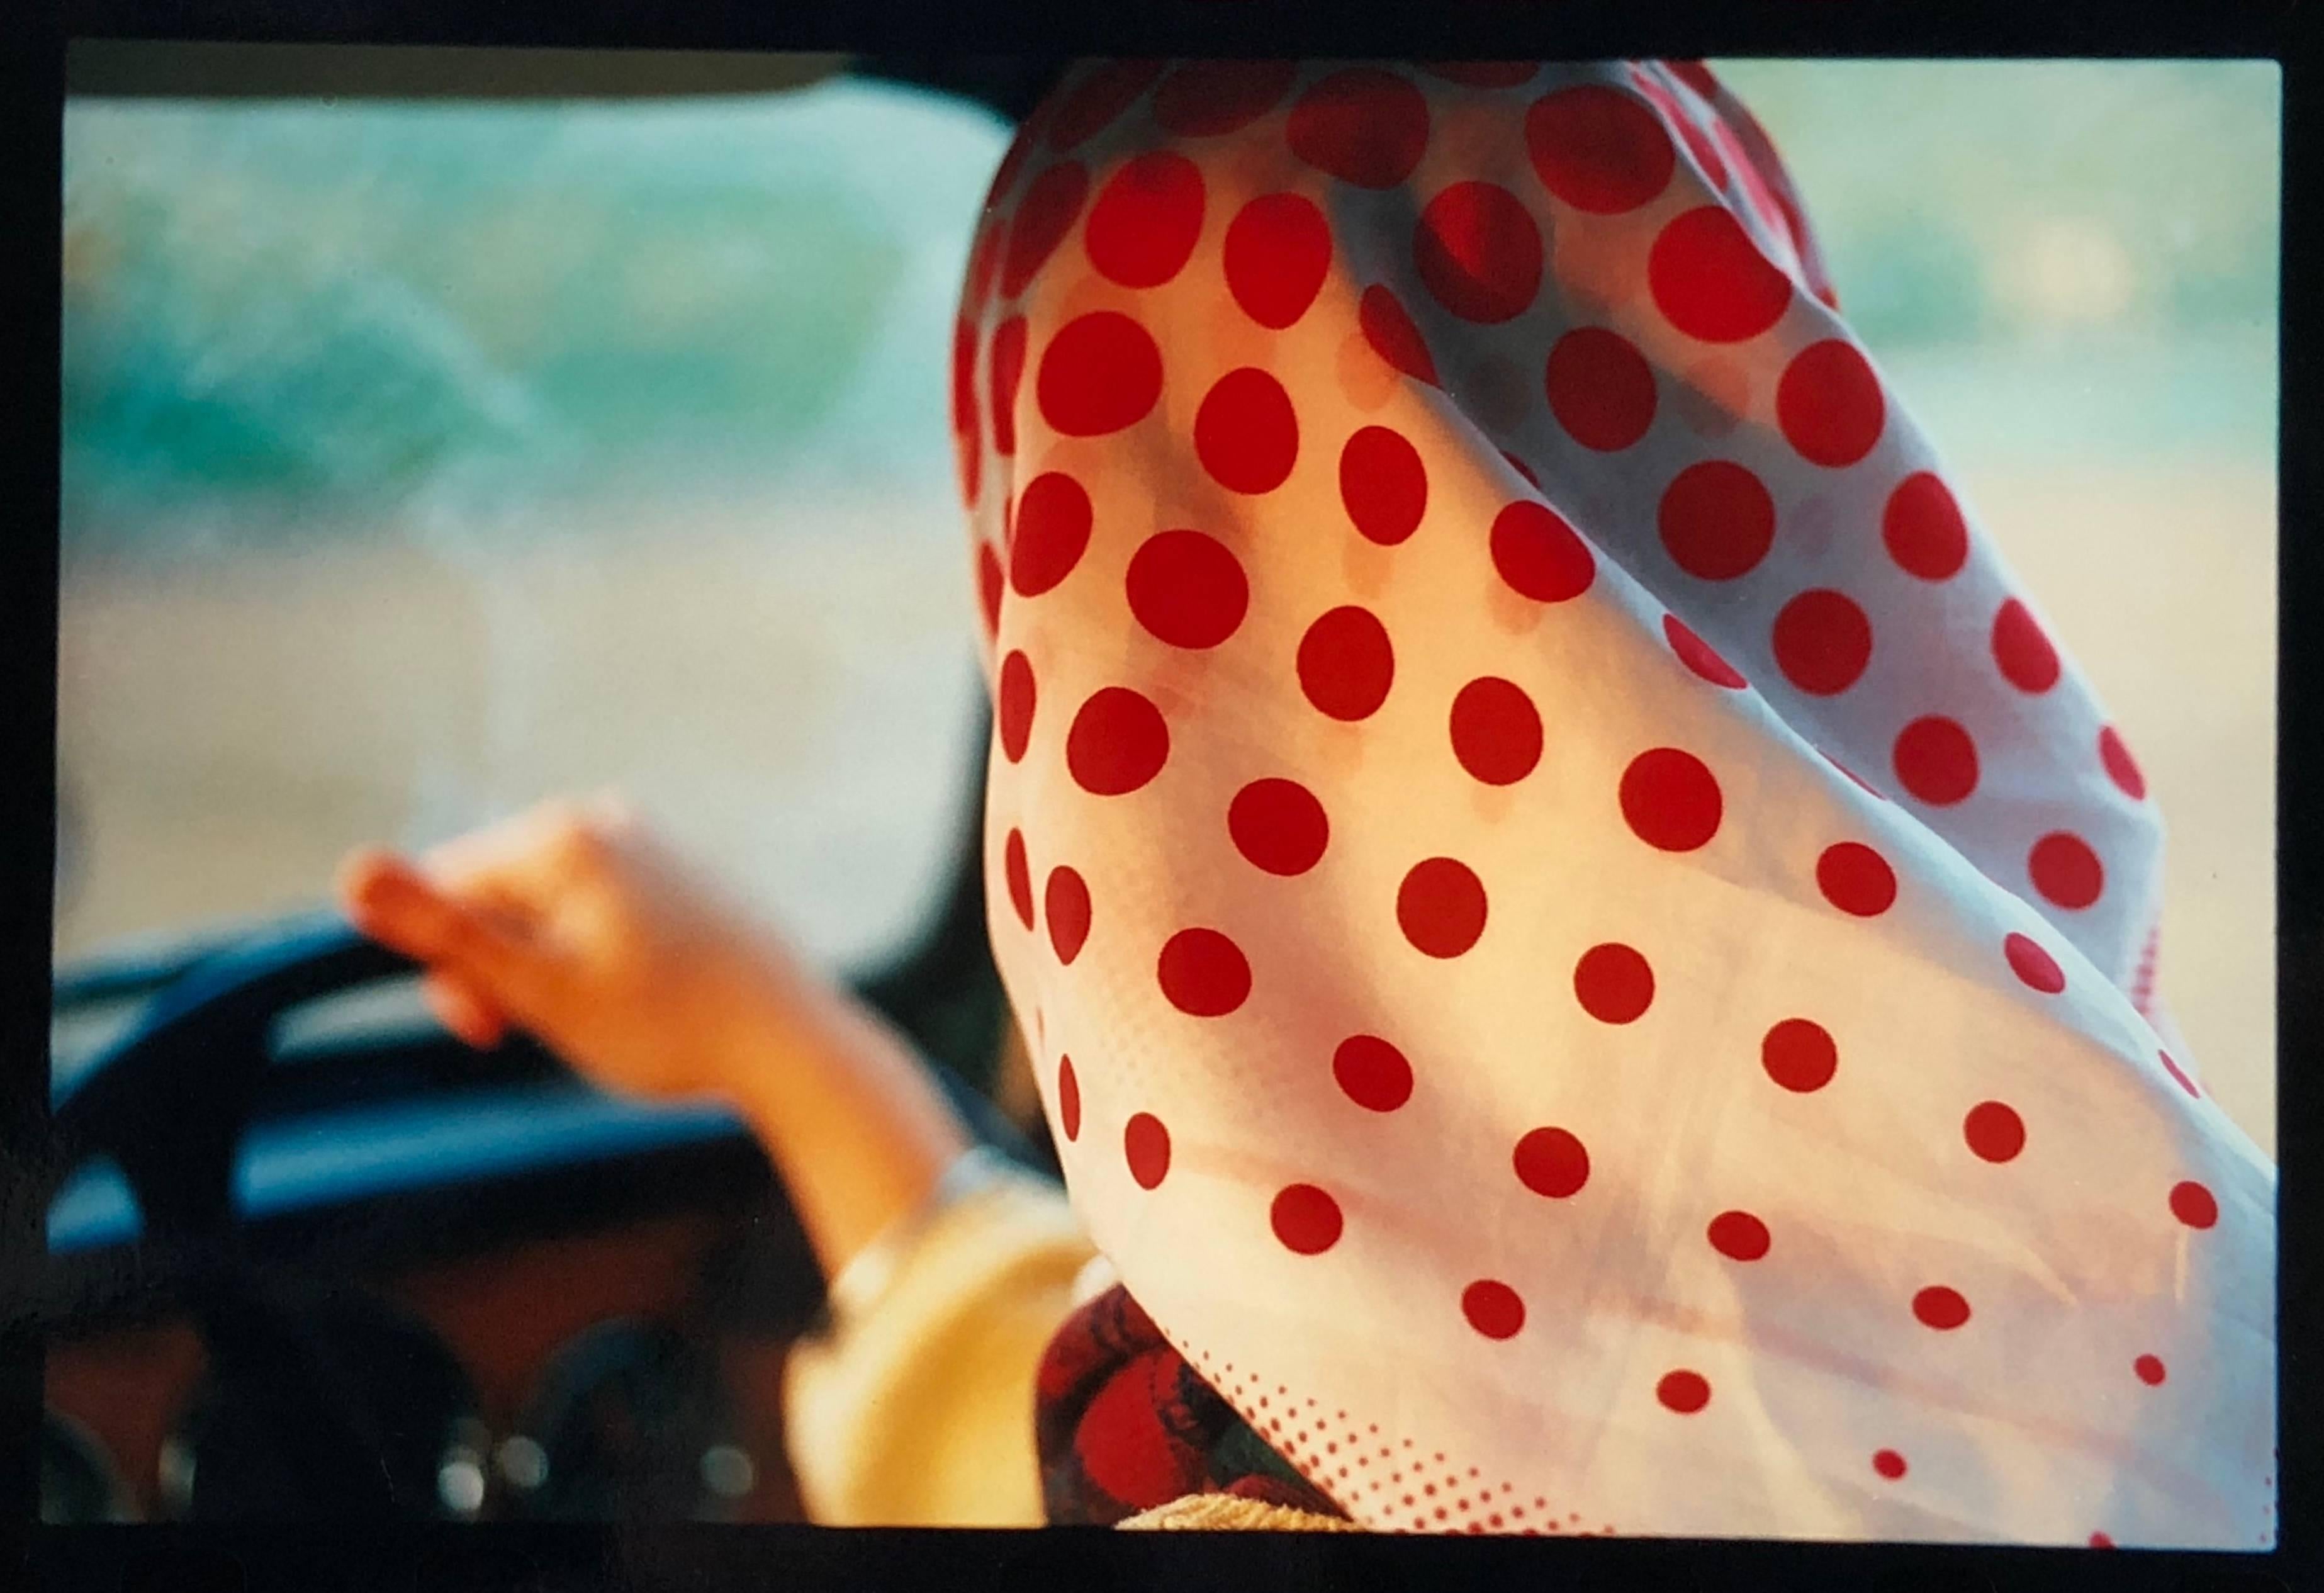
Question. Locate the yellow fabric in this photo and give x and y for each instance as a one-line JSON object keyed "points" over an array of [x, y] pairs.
{"points": [[1226, 1512], [918, 1412]]}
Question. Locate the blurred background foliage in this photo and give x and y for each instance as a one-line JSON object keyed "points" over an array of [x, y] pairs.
{"points": [[334, 303]]}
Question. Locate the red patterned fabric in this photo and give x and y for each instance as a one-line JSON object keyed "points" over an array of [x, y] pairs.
{"points": [[1124, 1425], [1582, 939]]}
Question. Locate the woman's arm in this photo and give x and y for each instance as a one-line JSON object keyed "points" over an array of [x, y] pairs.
{"points": [[913, 1406], [572, 923]]}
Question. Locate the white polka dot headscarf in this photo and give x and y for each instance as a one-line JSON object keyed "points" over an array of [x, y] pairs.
{"points": [[1587, 959]]}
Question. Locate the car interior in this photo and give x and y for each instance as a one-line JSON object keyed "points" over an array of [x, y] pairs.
{"points": [[311, 1257]]}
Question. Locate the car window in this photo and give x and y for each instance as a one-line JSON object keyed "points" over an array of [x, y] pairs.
{"points": [[425, 459]]}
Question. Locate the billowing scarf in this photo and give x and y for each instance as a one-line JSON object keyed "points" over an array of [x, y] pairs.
{"points": [[1587, 956]]}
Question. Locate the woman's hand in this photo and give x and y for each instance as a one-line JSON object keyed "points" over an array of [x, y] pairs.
{"points": [[573, 924]]}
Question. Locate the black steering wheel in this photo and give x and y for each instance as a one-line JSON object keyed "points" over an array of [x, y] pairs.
{"points": [[344, 1402], [168, 1103]]}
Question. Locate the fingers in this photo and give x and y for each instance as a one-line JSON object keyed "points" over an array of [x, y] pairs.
{"points": [[462, 1009], [367, 879], [525, 861], [395, 904]]}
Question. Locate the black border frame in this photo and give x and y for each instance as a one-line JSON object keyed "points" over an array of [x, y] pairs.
{"points": [[674, 1558]]}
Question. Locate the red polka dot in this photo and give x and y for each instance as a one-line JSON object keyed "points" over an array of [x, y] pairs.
{"points": [[989, 582], [2026, 659], [1147, 217], [1828, 404], [1277, 250], [1100, 373], [2100, 1540], [1098, 99], [1699, 143], [1889, 1464], [1695, 76], [968, 453], [1856, 879], [1383, 484], [2065, 870], [2120, 767], [1146, 1146], [1203, 974], [1021, 877], [1598, 149], [1822, 642], [1552, 1162], [1738, 1236], [2149, 1369], [1539, 555], [1053, 529], [1245, 432], [1684, 1392], [1496, 731], [1479, 252], [1207, 97], [1187, 589], [1363, 125], [2179, 1073], [964, 379], [1388, 328], [1936, 761], [983, 260], [1799, 1055], [1007, 360], [2193, 1204], [1493, 1308], [1670, 799], [2035, 966], [1016, 711], [1013, 159], [1717, 520], [1772, 206], [1709, 279], [1994, 1131], [1698, 655], [1923, 528], [1044, 216], [1613, 983], [1601, 388], [1346, 664], [1522, 469], [1305, 1219], [1278, 826], [1117, 744], [1372, 1073], [1440, 907], [1483, 74], [1066, 902], [1069, 1099], [1940, 1308]]}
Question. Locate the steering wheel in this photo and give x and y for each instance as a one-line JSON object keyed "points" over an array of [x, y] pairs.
{"points": [[169, 1101], [335, 1391]]}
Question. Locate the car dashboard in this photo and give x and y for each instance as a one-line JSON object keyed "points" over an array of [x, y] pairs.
{"points": [[312, 1257]]}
